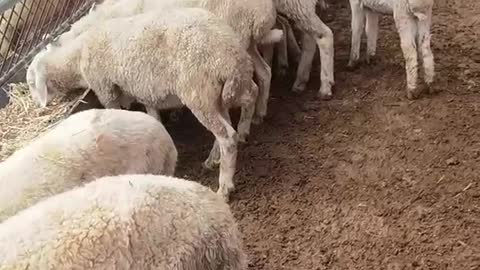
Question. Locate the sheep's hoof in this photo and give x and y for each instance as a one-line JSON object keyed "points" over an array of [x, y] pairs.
{"points": [[352, 65], [299, 87], [243, 137], [326, 96], [257, 119], [371, 59], [325, 92], [431, 89], [412, 94], [225, 192], [210, 164], [226, 197]]}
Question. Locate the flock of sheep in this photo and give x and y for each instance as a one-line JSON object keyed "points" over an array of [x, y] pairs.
{"points": [[97, 190]]}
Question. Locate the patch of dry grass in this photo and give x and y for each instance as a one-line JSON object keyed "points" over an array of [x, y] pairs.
{"points": [[22, 120]]}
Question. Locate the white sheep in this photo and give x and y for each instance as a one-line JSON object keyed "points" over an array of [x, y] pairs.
{"points": [[303, 14], [127, 222], [160, 58], [413, 20], [81, 148], [252, 20]]}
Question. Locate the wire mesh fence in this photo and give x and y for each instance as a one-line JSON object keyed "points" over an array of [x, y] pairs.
{"points": [[26, 26]]}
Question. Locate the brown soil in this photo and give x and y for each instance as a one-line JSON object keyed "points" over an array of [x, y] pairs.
{"points": [[368, 180]]}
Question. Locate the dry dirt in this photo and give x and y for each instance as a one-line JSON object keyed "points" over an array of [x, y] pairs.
{"points": [[368, 180]]}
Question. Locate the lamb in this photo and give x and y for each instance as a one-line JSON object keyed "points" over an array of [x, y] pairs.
{"points": [[302, 13], [127, 222], [185, 55], [412, 19], [252, 20], [81, 148]]}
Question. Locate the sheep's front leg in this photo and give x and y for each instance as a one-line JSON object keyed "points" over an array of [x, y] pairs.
{"points": [[305, 66], [357, 26], [407, 30], [425, 49], [219, 124], [371, 29]]}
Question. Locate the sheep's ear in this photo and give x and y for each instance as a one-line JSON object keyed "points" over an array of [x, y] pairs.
{"points": [[41, 89]]}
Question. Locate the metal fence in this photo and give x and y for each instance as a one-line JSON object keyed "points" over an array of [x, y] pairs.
{"points": [[26, 26]]}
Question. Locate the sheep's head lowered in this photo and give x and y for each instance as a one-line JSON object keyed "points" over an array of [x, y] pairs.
{"points": [[55, 71], [37, 80]]}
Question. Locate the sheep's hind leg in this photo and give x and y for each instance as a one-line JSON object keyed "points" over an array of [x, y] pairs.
{"points": [[305, 65], [371, 29], [407, 30], [357, 26], [324, 38], [264, 76], [426, 51], [226, 137], [243, 129]]}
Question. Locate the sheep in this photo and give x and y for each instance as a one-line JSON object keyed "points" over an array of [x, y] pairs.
{"points": [[185, 55], [126, 222], [84, 146], [289, 45], [412, 19], [23, 15], [303, 14], [252, 20]]}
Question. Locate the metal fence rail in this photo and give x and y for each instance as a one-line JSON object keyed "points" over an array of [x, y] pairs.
{"points": [[24, 26]]}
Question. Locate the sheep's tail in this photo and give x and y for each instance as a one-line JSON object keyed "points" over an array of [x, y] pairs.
{"points": [[274, 36]]}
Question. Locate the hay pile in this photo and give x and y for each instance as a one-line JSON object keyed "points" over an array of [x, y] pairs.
{"points": [[22, 120]]}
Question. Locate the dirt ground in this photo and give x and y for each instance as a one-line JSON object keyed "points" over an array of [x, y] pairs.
{"points": [[368, 180]]}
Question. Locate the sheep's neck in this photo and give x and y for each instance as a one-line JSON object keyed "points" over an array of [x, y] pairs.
{"points": [[65, 66]]}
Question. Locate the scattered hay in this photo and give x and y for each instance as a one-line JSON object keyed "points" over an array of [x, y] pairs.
{"points": [[22, 120]]}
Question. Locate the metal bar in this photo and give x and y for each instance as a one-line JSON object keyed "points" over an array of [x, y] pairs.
{"points": [[57, 30], [7, 4], [13, 41]]}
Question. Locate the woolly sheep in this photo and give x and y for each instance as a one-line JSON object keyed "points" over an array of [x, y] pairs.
{"points": [[252, 20], [303, 14], [127, 222], [412, 19], [184, 55], [85, 146]]}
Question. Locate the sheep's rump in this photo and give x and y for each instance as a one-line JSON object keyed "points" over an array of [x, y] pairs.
{"points": [[130, 222]]}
